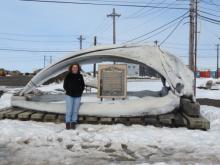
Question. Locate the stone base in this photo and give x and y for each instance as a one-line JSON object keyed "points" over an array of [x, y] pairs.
{"points": [[197, 123], [175, 119], [190, 108]]}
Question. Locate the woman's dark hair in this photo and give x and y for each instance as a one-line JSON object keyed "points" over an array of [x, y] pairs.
{"points": [[70, 67]]}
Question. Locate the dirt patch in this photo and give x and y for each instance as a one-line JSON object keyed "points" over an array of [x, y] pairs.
{"points": [[210, 102]]}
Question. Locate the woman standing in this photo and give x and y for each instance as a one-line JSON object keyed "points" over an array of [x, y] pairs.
{"points": [[74, 86]]}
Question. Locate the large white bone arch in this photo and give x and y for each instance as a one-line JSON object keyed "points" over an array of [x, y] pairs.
{"points": [[178, 76]]}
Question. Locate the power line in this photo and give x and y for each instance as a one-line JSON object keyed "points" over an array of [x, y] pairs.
{"points": [[159, 32], [131, 2], [104, 4], [36, 35], [144, 12], [35, 51], [211, 56], [147, 21], [186, 49], [208, 18], [148, 12], [214, 21], [138, 11], [206, 8], [209, 13], [210, 3], [143, 35], [174, 29], [20, 40], [100, 27]]}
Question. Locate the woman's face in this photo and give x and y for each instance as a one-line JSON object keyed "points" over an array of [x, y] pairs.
{"points": [[75, 69]]}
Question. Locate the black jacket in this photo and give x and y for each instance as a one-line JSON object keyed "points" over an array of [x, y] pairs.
{"points": [[74, 84]]}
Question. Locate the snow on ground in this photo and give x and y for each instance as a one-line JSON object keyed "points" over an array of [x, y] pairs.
{"points": [[201, 82], [205, 93], [29, 142], [52, 88], [153, 85], [5, 100], [211, 94]]}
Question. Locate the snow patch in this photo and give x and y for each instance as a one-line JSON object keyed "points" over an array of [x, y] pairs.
{"points": [[5, 100], [110, 144]]}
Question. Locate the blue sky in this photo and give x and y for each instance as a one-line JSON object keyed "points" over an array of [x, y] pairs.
{"points": [[46, 26]]}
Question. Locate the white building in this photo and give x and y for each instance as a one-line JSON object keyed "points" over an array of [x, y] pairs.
{"points": [[133, 69]]}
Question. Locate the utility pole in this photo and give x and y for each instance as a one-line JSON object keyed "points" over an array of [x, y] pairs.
{"points": [[191, 34], [195, 45], [50, 59], [113, 15], [94, 66], [44, 61], [80, 41], [193, 15], [217, 60]]}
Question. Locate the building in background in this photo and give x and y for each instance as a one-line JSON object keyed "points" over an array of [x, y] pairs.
{"points": [[133, 69], [141, 70]]}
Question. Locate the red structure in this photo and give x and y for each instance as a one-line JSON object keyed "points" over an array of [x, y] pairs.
{"points": [[205, 74]]}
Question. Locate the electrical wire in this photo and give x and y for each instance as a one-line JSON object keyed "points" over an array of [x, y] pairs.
{"points": [[136, 13], [11, 39], [159, 32], [104, 4], [144, 12], [37, 35], [170, 22], [35, 51], [211, 20], [210, 3], [174, 29], [211, 14]]}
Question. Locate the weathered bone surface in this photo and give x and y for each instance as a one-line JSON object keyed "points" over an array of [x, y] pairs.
{"points": [[147, 105], [177, 75]]}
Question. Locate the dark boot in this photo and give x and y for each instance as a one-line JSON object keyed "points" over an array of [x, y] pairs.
{"points": [[73, 125], [68, 125]]}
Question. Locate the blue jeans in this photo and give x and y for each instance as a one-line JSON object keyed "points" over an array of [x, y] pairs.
{"points": [[72, 108]]}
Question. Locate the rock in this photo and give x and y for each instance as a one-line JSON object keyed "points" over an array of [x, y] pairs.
{"points": [[91, 119], [124, 146], [27, 141], [151, 120], [50, 117], [108, 145], [189, 108], [1, 93], [122, 120], [89, 146], [109, 150], [69, 146], [136, 120], [59, 139], [167, 119], [106, 120], [209, 84], [197, 123]]}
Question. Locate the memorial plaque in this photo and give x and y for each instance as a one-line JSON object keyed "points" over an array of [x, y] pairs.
{"points": [[112, 81]]}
